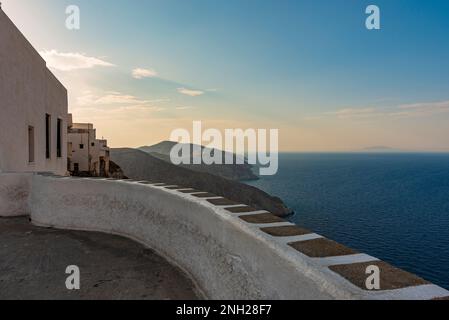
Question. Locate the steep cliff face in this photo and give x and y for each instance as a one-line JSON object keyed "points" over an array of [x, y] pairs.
{"points": [[139, 165], [237, 172], [115, 171]]}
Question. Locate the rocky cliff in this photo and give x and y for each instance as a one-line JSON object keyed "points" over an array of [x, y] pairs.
{"points": [[139, 165], [237, 172]]}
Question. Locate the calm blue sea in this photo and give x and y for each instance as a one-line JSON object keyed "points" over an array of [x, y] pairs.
{"points": [[392, 206]]}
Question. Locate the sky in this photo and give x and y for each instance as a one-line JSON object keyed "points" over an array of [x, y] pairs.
{"points": [[140, 69]]}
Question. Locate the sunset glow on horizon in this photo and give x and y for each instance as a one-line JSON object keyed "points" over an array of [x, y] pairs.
{"points": [[308, 68]]}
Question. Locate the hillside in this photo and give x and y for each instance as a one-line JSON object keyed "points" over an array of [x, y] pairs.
{"points": [[237, 172], [139, 165]]}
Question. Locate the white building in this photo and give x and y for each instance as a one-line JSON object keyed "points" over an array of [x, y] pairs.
{"points": [[87, 155], [33, 108]]}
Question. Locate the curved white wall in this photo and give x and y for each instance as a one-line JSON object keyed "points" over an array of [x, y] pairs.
{"points": [[227, 257], [14, 194]]}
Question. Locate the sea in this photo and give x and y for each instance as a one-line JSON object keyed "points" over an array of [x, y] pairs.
{"points": [[394, 206]]}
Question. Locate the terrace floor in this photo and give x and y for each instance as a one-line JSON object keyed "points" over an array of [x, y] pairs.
{"points": [[33, 262]]}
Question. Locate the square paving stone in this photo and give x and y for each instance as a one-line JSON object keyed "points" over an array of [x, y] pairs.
{"points": [[390, 277], [286, 231], [262, 218], [321, 248], [204, 195], [222, 202]]}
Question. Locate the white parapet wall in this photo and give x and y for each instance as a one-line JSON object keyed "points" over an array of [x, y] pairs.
{"points": [[227, 257], [14, 194]]}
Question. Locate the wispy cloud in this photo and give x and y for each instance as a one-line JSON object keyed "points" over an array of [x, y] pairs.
{"points": [[140, 108], [140, 73], [109, 98], [68, 61], [97, 97], [426, 105], [123, 114], [184, 108], [355, 113], [422, 109], [190, 92]]}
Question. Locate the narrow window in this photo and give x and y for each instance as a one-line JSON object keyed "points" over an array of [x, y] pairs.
{"points": [[81, 146], [47, 135], [59, 139], [30, 144], [92, 144]]}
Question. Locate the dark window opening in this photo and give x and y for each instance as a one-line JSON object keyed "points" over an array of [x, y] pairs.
{"points": [[30, 144], [81, 146], [59, 139], [47, 135], [93, 144]]}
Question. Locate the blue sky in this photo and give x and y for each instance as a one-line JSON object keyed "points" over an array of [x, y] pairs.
{"points": [[309, 68]]}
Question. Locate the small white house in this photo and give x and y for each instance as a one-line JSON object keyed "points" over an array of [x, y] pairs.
{"points": [[87, 155], [33, 108]]}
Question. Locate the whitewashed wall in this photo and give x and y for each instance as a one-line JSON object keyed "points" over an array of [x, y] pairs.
{"points": [[226, 257], [28, 90], [14, 194]]}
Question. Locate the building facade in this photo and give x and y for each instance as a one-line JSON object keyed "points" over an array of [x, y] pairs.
{"points": [[33, 108], [87, 155]]}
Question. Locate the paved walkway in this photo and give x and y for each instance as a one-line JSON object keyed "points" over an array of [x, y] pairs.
{"points": [[33, 262]]}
